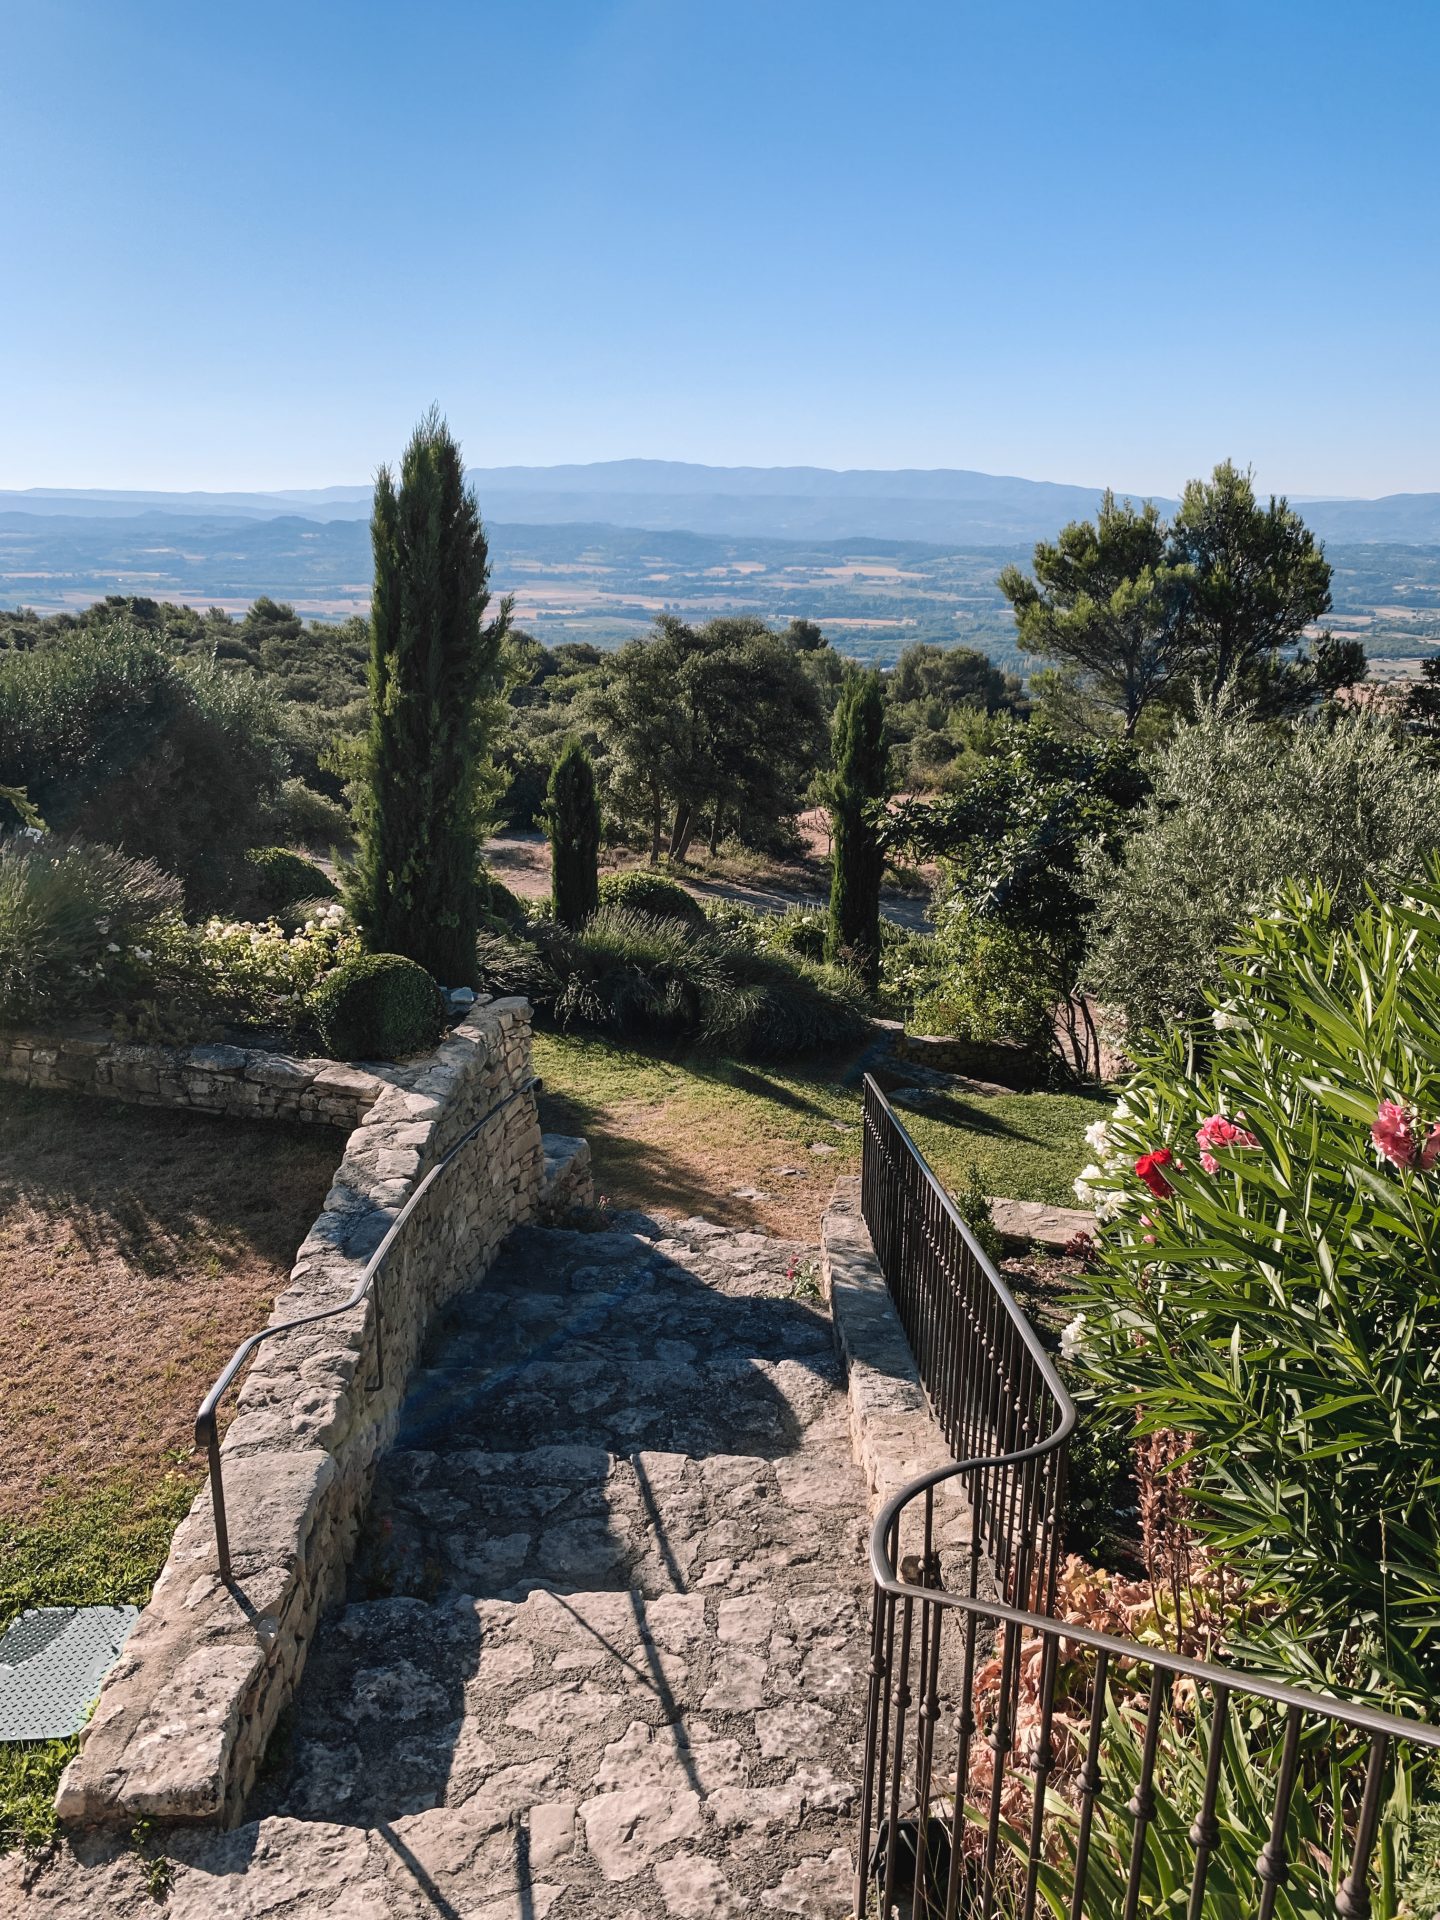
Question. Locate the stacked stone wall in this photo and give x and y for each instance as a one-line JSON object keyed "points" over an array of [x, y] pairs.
{"points": [[182, 1723], [244, 1083]]}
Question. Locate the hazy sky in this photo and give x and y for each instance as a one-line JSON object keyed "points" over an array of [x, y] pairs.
{"points": [[246, 244]]}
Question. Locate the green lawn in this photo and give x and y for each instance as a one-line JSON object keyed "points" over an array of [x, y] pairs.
{"points": [[762, 1145], [99, 1549]]}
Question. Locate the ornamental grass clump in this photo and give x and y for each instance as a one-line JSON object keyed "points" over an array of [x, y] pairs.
{"points": [[1268, 1285]]}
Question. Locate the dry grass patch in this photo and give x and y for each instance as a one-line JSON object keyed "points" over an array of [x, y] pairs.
{"points": [[138, 1248]]}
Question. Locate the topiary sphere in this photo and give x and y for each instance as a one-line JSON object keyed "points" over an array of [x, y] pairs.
{"points": [[638, 891], [379, 1006], [280, 879]]}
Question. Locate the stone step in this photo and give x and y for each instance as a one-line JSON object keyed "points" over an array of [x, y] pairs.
{"points": [[618, 1748], [607, 1629]]}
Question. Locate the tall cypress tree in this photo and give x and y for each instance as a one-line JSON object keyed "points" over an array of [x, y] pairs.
{"points": [[858, 745], [434, 675], [572, 820]]}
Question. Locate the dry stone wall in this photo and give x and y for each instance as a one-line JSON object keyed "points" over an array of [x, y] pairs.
{"points": [[242, 1082], [181, 1725]]}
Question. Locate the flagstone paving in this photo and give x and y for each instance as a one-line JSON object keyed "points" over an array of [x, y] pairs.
{"points": [[604, 1647]]}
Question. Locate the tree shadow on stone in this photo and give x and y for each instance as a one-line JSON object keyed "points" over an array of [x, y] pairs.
{"points": [[594, 1425]]}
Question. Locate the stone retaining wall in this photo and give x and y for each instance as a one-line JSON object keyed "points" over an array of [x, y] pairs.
{"points": [[182, 1723], [242, 1082]]}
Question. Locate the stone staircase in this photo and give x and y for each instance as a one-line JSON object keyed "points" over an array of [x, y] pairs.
{"points": [[604, 1649]]}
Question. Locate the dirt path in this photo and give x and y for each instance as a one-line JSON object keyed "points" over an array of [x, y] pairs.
{"points": [[521, 858]]}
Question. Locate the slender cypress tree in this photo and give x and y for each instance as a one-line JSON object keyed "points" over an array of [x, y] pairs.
{"points": [[572, 820], [858, 745], [434, 677]]}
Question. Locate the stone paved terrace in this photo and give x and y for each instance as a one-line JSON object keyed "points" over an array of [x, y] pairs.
{"points": [[603, 1650]]}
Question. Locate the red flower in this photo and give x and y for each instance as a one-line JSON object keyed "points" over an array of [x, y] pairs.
{"points": [[1148, 1167]]}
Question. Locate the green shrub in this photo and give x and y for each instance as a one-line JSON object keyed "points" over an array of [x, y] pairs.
{"points": [[989, 982], [281, 879], [312, 818], [117, 740], [378, 1006], [799, 930], [633, 975], [501, 911], [638, 890], [1270, 1290], [78, 926], [1236, 810]]}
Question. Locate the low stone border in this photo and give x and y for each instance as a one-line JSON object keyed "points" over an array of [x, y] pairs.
{"points": [[182, 1723], [569, 1181], [892, 1431], [242, 1082], [891, 1428], [1035, 1224]]}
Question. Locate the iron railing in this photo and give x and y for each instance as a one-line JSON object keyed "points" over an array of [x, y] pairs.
{"points": [[207, 1429], [993, 1389], [1016, 1763]]}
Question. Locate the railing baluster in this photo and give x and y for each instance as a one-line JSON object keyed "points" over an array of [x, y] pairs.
{"points": [[1272, 1859], [1353, 1899], [897, 1762], [1206, 1830], [1142, 1801], [1044, 1761], [1090, 1782]]}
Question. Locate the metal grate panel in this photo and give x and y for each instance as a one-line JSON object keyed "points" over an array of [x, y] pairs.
{"points": [[52, 1661]]}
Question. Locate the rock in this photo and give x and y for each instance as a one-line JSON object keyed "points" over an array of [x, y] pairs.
{"points": [[625, 1831], [819, 1887], [693, 1888]]}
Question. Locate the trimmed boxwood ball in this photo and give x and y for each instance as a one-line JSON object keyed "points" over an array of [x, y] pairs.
{"points": [[379, 1006], [639, 891], [280, 879]]}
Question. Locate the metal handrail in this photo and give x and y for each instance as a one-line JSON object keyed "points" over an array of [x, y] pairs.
{"points": [[955, 1311], [207, 1432], [922, 1856], [1353, 1713]]}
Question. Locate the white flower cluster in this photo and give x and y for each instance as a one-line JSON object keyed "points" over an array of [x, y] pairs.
{"points": [[1223, 1019], [1072, 1338], [1105, 1200], [328, 919]]}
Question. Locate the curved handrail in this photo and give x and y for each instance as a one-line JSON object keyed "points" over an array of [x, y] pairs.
{"points": [[940, 1296], [207, 1432], [984, 1368], [1236, 1679]]}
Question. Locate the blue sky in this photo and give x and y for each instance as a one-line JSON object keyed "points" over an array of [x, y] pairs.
{"points": [[247, 244]]}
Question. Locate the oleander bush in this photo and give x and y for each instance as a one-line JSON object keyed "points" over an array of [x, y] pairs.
{"points": [[1268, 1286], [378, 1006]]}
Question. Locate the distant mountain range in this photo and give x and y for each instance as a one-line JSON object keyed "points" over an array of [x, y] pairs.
{"points": [[945, 506]]}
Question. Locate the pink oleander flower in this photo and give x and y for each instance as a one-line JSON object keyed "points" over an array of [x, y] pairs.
{"points": [[1217, 1131], [1430, 1151], [1393, 1135]]}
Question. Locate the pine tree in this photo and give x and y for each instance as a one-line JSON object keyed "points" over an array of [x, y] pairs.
{"points": [[858, 743], [434, 677], [572, 820]]}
